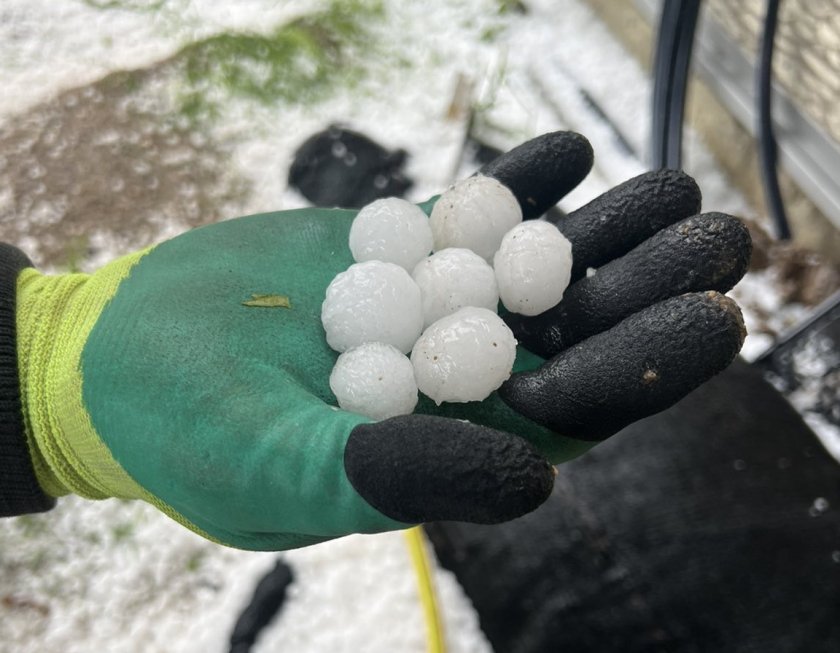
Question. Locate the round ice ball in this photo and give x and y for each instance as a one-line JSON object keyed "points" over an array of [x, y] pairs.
{"points": [[375, 380], [533, 267], [464, 356], [474, 214], [391, 230], [372, 301], [452, 279]]}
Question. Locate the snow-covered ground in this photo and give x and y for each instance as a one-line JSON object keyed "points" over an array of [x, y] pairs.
{"points": [[116, 576]]}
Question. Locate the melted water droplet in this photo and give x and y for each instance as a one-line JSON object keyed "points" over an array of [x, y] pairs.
{"points": [[739, 465], [36, 171], [819, 506], [141, 167]]}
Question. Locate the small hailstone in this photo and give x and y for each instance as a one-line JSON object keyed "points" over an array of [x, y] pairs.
{"points": [[374, 380], [372, 301], [474, 214], [452, 279], [533, 267], [464, 356], [391, 230]]}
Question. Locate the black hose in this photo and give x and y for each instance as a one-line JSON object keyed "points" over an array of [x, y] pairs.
{"points": [[663, 65], [671, 65], [767, 147], [679, 83]]}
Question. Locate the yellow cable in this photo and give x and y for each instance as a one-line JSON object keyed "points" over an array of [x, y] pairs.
{"points": [[431, 614]]}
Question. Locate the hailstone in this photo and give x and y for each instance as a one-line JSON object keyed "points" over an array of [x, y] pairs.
{"points": [[375, 380], [452, 279], [533, 267], [474, 214], [372, 301], [392, 230], [464, 356]]}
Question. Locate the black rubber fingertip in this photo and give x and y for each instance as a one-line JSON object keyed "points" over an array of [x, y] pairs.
{"points": [[642, 366], [419, 468], [710, 251], [615, 222], [543, 170]]}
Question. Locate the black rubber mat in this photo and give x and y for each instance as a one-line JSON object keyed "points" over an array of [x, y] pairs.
{"points": [[713, 526]]}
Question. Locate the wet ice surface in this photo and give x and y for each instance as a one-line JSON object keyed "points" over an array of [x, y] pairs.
{"points": [[475, 213], [92, 167], [392, 230], [533, 267], [464, 356], [453, 278], [375, 380], [373, 301]]}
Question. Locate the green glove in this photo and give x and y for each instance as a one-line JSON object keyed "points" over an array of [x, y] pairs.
{"points": [[151, 379]]}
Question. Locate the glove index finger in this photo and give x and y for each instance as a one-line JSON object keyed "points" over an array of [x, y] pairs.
{"points": [[418, 468], [710, 251], [641, 366], [540, 172], [614, 223]]}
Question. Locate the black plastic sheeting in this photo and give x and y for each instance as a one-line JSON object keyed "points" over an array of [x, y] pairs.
{"points": [[808, 359], [266, 602], [714, 526], [344, 168]]}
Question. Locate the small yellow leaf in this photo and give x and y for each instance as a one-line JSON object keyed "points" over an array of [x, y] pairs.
{"points": [[268, 301]]}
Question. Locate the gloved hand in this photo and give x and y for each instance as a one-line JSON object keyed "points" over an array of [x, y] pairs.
{"points": [[150, 379]]}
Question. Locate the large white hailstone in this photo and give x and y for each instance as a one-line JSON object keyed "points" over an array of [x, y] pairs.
{"points": [[533, 267], [474, 214], [372, 301], [464, 356], [392, 230], [375, 380], [452, 279]]}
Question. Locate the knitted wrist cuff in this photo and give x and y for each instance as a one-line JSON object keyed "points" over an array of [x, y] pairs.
{"points": [[19, 489]]}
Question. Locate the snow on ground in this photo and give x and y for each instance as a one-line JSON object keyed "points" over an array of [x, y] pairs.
{"points": [[117, 576], [48, 46]]}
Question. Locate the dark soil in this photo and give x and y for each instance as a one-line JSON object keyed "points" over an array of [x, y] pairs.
{"points": [[109, 159]]}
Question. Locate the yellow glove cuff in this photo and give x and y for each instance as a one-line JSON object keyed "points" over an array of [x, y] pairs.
{"points": [[55, 315]]}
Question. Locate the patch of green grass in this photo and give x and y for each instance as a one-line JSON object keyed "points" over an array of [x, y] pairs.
{"points": [[92, 538], [301, 61], [38, 560], [195, 560], [75, 252], [122, 531], [31, 526], [491, 33], [512, 6]]}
